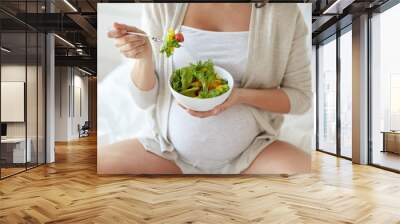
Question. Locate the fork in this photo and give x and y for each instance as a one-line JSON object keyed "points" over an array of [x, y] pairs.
{"points": [[155, 39]]}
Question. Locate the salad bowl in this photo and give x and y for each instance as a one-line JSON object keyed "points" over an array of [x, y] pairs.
{"points": [[204, 104]]}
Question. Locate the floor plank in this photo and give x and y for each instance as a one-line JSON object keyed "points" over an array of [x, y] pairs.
{"points": [[70, 191]]}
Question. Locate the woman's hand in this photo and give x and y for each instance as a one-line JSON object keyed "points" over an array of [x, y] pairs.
{"points": [[138, 47], [233, 99], [132, 46]]}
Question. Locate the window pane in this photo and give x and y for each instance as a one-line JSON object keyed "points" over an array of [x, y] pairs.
{"points": [[13, 148], [346, 94], [386, 89], [23, 88], [327, 97]]}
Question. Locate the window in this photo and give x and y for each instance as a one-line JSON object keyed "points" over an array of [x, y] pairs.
{"points": [[327, 97], [14, 155], [394, 101], [346, 94], [385, 89], [22, 77]]}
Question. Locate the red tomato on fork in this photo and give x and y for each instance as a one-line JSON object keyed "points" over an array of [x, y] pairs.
{"points": [[179, 37]]}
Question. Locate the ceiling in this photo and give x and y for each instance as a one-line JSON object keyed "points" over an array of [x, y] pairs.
{"points": [[76, 21]]}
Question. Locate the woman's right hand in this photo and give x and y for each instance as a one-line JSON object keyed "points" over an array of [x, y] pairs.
{"points": [[132, 46]]}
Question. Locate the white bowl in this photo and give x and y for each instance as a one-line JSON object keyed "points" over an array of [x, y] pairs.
{"points": [[205, 104]]}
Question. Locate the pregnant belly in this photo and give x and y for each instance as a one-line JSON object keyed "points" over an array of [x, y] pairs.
{"points": [[213, 140]]}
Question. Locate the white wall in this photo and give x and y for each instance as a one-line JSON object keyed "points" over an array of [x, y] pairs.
{"points": [[81, 83], [61, 103], [68, 82]]}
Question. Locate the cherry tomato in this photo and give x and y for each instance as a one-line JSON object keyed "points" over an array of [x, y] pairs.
{"points": [[179, 37]]}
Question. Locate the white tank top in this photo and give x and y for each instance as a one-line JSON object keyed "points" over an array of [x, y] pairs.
{"points": [[213, 141]]}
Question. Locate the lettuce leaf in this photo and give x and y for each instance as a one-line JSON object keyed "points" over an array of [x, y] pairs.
{"points": [[186, 78], [195, 80]]}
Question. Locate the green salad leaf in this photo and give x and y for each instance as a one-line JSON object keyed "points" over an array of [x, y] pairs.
{"points": [[171, 42], [169, 47], [199, 80]]}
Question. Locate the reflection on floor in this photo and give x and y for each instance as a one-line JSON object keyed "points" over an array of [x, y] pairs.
{"points": [[10, 171], [70, 191], [386, 159], [13, 169]]}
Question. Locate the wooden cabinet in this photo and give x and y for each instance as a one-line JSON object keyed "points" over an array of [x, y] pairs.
{"points": [[391, 142]]}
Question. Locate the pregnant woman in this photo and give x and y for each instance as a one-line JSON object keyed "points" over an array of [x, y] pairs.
{"points": [[263, 46]]}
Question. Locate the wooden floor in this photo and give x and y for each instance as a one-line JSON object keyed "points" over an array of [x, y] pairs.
{"points": [[69, 191], [10, 171], [5, 172]]}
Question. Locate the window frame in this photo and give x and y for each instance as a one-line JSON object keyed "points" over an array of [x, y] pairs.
{"points": [[371, 13], [334, 37]]}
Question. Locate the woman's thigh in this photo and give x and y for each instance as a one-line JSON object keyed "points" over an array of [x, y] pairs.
{"points": [[130, 157], [280, 158]]}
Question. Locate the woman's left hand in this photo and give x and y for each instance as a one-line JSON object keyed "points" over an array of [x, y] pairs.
{"points": [[232, 100]]}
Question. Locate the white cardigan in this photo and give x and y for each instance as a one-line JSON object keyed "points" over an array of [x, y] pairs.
{"points": [[277, 58]]}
